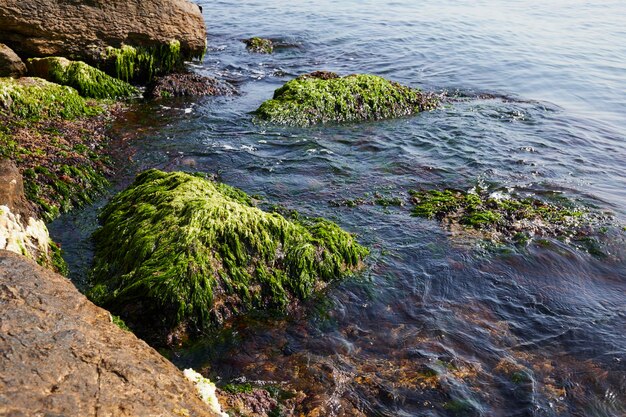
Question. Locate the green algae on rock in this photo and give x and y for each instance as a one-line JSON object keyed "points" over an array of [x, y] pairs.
{"points": [[35, 98], [54, 136], [505, 219], [137, 63], [184, 249], [87, 80], [259, 45], [323, 97]]}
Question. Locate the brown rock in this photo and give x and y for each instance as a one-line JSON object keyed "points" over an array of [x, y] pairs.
{"points": [[61, 355], [186, 85], [84, 29], [12, 190], [10, 64]]}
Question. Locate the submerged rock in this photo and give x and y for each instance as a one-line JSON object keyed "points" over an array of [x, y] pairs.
{"points": [[505, 219], [87, 80], [186, 85], [323, 97], [62, 355], [97, 31], [10, 64], [178, 248], [259, 45]]}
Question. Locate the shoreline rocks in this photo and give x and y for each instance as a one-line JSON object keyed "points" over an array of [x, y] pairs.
{"points": [[97, 32], [325, 97], [178, 251], [259, 45], [62, 355], [55, 138]]}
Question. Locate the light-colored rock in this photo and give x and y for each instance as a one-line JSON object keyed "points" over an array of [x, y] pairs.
{"points": [[63, 356], [29, 238]]}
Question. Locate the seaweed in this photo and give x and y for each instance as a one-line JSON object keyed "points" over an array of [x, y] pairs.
{"points": [[188, 249], [323, 97]]}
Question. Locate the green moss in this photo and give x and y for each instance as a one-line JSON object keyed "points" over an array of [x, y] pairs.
{"points": [[63, 189], [87, 80], [119, 323], [259, 45], [34, 98], [189, 249], [324, 97], [143, 63], [58, 263], [509, 220]]}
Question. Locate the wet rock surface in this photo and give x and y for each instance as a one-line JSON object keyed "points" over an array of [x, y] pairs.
{"points": [[62, 355], [83, 30], [10, 64], [186, 85]]}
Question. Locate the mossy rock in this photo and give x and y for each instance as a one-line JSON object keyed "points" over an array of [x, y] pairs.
{"points": [[87, 80], [141, 64], [259, 45], [323, 97], [506, 219], [179, 248], [35, 98]]}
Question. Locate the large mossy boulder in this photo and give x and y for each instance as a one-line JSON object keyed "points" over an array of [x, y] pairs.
{"points": [[323, 97], [148, 34], [179, 248], [87, 80]]}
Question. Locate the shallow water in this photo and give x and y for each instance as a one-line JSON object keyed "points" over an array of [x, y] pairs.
{"points": [[437, 326]]}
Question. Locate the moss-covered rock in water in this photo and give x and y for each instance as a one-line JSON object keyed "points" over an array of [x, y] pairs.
{"points": [[505, 219], [35, 98], [181, 248], [87, 80], [323, 97], [259, 45], [141, 64]]}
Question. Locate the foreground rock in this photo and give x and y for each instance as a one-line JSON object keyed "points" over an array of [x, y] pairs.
{"points": [[186, 85], [63, 356], [323, 97], [180, 250], [86, 30], [87, 80], [10, 64]]}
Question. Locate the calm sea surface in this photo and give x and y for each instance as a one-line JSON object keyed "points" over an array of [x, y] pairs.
{"points": [[436, 327]]}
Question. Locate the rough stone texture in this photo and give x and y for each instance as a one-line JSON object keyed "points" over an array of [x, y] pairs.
{"points": [[12, 190], [186, 85], [83, 29], [21, 231], [10, 64], [62, 356]]}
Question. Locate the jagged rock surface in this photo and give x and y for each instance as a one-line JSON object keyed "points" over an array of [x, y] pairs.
{"points": [[10, 64], [61, 355], [84, 29]]}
